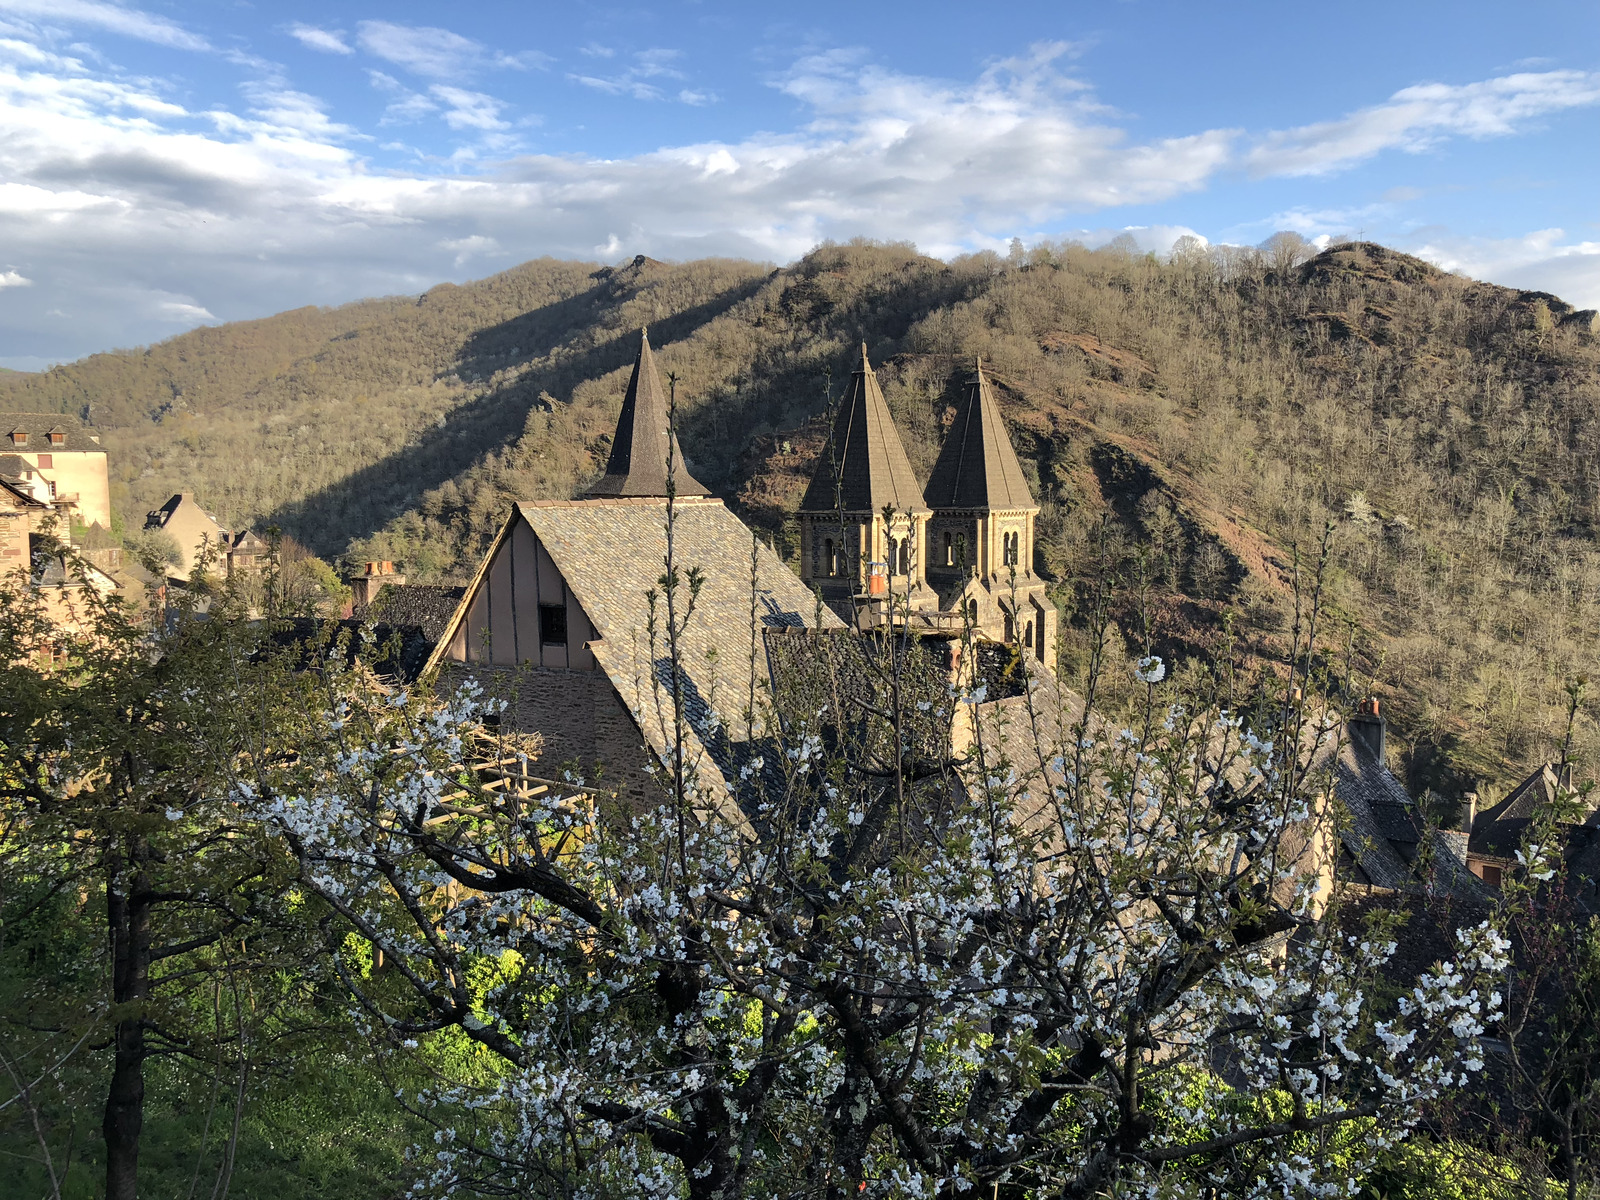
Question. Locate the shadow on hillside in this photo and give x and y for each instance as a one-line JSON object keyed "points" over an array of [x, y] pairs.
{"points": [[367, 499]]}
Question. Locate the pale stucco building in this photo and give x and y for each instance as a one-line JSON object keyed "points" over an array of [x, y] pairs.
{"points": [[69, 458]]}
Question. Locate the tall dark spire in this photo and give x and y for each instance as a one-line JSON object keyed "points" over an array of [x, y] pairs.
{"points": [[977, 468], [638, 462], [873, 470]]}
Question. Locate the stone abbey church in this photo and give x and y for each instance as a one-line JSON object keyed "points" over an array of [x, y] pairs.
{"points": [[559, 611], [882, 549]]}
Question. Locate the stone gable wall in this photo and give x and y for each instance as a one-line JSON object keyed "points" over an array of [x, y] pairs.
{"points": [[583, 721]]}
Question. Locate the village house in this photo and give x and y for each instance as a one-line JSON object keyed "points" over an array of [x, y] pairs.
{"points": [[69, 459], [196, 534], [33, 531]]}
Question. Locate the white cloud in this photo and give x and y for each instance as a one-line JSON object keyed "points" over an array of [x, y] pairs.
{"points": [[1543, 260], [434, 52], [468, 248], [644, 79], [1417, 118], [14, 279], [140, 214], [469, 110], [182, 312], [114, 18], [329, 41]]}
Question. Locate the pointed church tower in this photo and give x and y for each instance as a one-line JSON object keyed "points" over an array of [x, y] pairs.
{"points": [[982, 526], [638, 462], [847, 547]]}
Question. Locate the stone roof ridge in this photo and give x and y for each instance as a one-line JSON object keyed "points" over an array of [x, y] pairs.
{"points": [[638, 462], [977, 467], [873, 469], [591, 501]]}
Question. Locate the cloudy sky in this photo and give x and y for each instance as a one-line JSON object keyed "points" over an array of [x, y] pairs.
{"points": [[195, 161]]}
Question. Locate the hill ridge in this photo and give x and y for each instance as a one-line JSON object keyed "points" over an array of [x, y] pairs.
{"points": [[1220, 408]]}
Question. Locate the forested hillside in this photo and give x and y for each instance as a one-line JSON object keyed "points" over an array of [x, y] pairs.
{"points": [[1220, 408]]}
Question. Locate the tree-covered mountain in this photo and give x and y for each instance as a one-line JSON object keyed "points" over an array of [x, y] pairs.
{"points": [[1217, 410]]}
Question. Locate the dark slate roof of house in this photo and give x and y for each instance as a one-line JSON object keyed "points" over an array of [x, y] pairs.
{"points": [[638, 462], [873, 470], [39, 425], [1497, 832], [1386, 827], [977, 468], [425, 607], [610, 552], [1534, 795], [1382, 814]]}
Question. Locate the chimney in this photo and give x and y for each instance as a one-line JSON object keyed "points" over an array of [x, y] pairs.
{"points": [[1455, 836], [1367, 727], [366, 586]]}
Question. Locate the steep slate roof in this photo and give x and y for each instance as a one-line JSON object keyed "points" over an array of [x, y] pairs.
{"points": [[1534, 794], [638, 462], [1386, 827], [1382, 814], [39, 425], [611, 551], [1498, 832], [873, 468], [978, 467]]}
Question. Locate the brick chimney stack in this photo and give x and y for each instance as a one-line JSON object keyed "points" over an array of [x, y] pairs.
{"points": [[1368, 727], [371, 581]]}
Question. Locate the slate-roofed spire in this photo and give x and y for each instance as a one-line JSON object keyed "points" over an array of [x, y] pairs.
{"points": [[638, 462], [977, 468], [873, 468]]}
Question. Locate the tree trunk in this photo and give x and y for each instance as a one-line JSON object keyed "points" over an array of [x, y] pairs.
{"points": [[128, 923]]}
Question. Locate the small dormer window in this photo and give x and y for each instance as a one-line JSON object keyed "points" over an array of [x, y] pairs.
{"points": [[19, 437], [58, 438]]}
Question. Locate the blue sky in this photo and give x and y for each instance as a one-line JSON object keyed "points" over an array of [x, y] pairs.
{"points": [[184, 163]]}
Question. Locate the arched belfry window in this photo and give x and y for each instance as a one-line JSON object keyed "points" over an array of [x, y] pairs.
{"points": [[949, 550], [829, 563]]}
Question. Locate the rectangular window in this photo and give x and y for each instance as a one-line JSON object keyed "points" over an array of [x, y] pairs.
{"points": [[46, 461], [553, 624]]}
